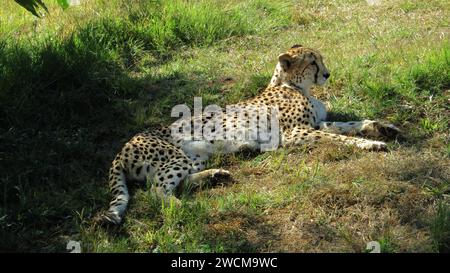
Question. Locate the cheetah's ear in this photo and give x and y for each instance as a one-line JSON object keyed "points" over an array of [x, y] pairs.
{"points": [[285, 60], [296, 45]]}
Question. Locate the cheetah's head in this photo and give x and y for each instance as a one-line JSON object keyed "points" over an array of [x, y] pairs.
{"points": [[301, 67]]}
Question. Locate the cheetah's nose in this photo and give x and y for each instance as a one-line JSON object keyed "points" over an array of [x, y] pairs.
{"points": [[326, 75]]}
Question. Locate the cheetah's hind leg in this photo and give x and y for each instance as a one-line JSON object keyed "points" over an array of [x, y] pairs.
{"points": [[196, 180]]}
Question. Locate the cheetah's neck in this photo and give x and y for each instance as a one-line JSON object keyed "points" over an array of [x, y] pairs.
{"points": [[278, 80], [276, 77]]}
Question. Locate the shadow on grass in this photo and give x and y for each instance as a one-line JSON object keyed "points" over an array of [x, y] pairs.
{"points": [[65, 110]]}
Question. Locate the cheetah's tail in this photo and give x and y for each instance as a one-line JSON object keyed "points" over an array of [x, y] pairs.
{"points": [[119, 190]]}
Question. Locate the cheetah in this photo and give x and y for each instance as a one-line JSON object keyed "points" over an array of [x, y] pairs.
{"points": [[301, 118]]}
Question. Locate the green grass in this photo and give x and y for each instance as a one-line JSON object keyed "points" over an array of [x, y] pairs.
{"points": [[75, 85], [440, 228]]}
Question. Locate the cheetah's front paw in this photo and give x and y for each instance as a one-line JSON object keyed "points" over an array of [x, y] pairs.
{"points": [[378, 129], [217, 173], [372, 145]]}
